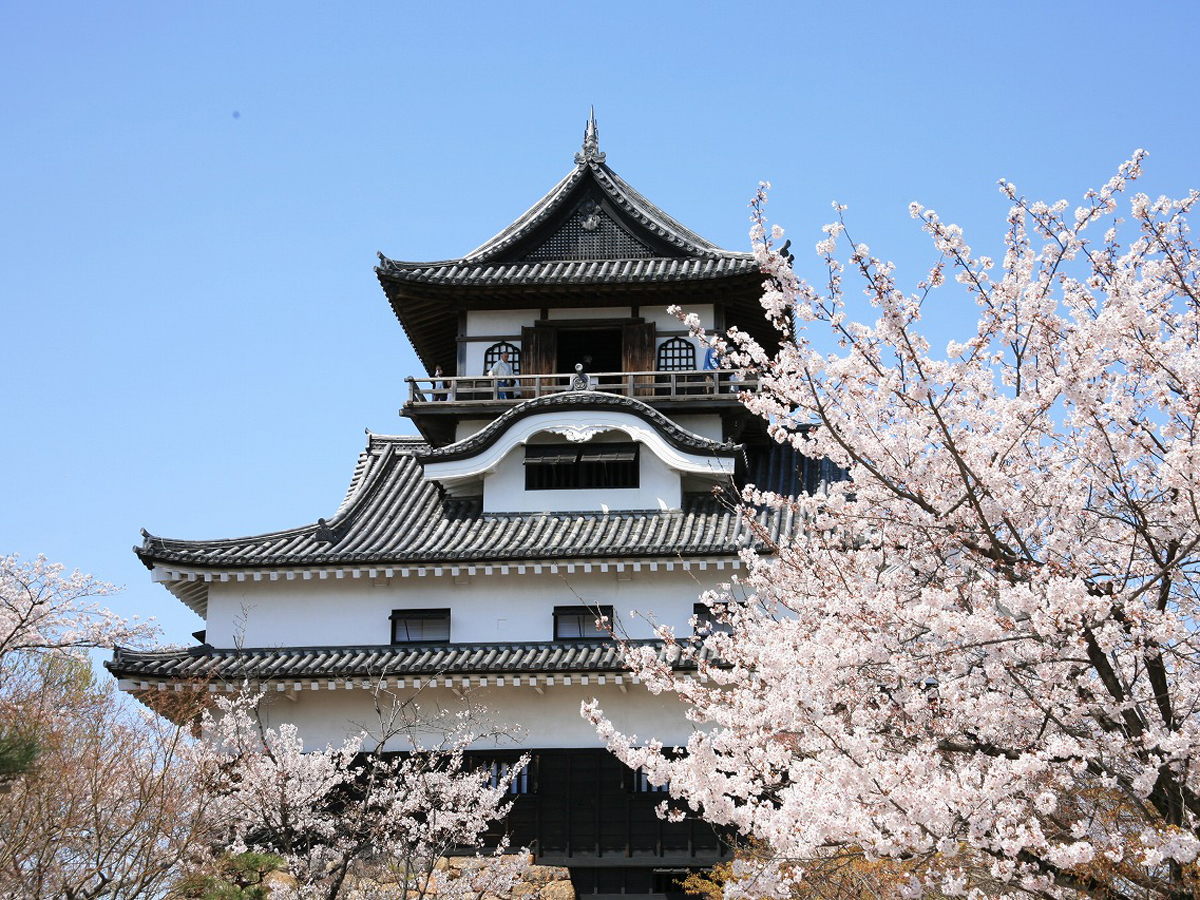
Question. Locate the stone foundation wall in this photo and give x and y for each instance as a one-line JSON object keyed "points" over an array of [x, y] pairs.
{"points": [[535, 882]]}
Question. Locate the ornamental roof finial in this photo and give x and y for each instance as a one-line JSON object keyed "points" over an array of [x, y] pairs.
{"points": [[591, 142]]}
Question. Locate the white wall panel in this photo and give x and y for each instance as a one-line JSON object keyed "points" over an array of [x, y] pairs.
{"points": [[549, 719], [349, 612]]}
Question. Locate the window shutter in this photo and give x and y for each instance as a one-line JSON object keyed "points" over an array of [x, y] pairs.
{"points": [[539, 350], [637, 351]]}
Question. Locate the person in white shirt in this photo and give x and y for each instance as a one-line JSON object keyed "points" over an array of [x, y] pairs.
{"points": [[503, 370]]}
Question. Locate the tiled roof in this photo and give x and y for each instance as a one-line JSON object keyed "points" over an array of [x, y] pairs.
{"points": [[559, 272], [591, 238], [485, 437], [205, 662], [521, 253], [393, 515], [617, 191]]}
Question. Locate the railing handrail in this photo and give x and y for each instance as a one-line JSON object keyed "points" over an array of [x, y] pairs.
{"points": [[684, 384]]}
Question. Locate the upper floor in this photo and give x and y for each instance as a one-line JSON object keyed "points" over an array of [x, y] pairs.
{"points": [[508, 356], [578, 287]]}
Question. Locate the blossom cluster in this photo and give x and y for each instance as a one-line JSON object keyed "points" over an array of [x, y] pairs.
{"points": [[42, 608], [345, 816], [980, 651]]}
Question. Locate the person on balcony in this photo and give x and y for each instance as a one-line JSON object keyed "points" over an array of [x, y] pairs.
{"points": [[503, 370], [712, 364]]}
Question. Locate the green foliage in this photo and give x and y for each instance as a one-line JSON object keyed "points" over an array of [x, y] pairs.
{"points": [[25, 724], [18, 749], [239, 876]]}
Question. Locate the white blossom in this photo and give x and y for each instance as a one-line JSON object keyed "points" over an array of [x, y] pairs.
{"points": [[984, 643]]}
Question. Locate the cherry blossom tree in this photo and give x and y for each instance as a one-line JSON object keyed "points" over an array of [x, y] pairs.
{"points": [[103, 800], [977, 656], [41, 608], [357, 819], [95, 796], [107, 806]]}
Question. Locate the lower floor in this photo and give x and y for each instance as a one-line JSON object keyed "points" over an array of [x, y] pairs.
{"points": [[585, 810]]}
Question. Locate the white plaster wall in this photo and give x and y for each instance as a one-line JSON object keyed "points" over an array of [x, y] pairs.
{"points": [[467, 427], [473, 366], [517, 608], [499, 321], [459, 475], [547, 720], [492, 322], [664, 321], [708, 426], [504, 489], [509, 322]]}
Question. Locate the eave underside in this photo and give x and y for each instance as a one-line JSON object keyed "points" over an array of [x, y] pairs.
{"points": [[429, 312]]}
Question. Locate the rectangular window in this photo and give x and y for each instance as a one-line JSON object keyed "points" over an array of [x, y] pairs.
{"points": [[579, 622], [569, 467], [520, 783], [709, 619], [642, 785], [412, 626]]}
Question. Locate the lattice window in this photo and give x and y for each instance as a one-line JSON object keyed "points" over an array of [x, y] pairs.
{"points": [[677, 355], [492, 356], [708, 619], [642, 784], [590, 234]]}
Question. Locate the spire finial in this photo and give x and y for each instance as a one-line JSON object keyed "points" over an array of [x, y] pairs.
{"points": [[591, 142]]}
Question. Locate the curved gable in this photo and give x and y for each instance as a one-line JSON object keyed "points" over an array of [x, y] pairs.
{"points": [[492, 461], [579, 401]]}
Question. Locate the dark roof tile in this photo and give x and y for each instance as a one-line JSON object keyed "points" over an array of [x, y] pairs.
{"points": [[286, 663], [396, 516], [572, 272]]}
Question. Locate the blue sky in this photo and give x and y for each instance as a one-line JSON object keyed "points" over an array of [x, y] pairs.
{"points": [[191, 197]]}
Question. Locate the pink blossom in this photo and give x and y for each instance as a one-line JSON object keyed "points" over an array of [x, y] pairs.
{"points": [[984, 642]]}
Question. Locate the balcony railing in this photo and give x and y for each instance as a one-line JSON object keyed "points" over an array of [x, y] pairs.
{"points": [[647, 386]]}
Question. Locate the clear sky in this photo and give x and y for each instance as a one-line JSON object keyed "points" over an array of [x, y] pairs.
{"points": [[192, 194]]}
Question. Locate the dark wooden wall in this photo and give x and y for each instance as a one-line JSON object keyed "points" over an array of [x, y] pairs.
{"points": [[585, 810]]}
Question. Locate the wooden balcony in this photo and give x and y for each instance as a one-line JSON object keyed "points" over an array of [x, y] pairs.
{"points": [[668, 388]]}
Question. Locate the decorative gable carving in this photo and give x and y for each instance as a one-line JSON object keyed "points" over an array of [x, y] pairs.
{"points": [[579, 434], [590, 233]]}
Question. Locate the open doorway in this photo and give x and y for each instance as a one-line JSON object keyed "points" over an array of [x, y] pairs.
{"points": [[603, 345]]}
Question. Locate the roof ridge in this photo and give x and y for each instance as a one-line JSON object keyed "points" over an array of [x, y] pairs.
{"points": [[585, 514], [524, 223], [206, 649], [370, 478], [635, 204], [572, 269]]}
